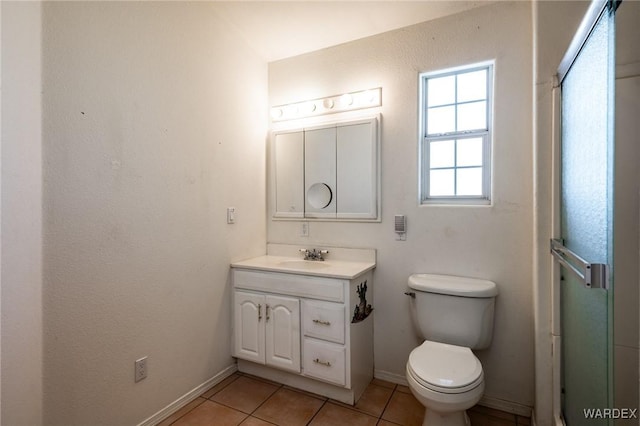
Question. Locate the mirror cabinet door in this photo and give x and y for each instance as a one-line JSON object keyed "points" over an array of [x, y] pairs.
{"points": [[356, 160], [320, 172], [289, 174]]}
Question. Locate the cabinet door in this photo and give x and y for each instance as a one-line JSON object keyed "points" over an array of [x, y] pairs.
{"points": [[249, 310], [356, 146], [289, 174], [282, 319], [320, 172]]}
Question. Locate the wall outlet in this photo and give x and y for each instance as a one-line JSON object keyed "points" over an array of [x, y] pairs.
{"points": [[140, 369], [304, 229]]}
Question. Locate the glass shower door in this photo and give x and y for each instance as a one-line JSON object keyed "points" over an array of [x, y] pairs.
{"points": [[587, 228]]}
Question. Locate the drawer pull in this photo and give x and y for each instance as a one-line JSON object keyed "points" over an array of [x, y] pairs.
{"points": [[321, 322], [325, 363], [267, 309], [259, 312]]}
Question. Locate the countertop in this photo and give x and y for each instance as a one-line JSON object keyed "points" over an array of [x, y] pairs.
{"points": [[330, 268]]}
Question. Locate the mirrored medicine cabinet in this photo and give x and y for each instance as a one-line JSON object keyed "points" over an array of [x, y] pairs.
{"points": [[327, 172]]}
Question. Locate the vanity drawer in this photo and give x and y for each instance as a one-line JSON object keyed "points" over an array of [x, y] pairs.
{"points": [[325, 361], [290, 284], [323, 320]]}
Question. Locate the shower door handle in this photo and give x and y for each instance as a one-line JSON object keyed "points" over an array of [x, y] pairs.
{"points": [[593, 275]]}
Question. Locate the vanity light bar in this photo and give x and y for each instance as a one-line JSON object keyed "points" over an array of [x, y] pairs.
{"points": [[340, 103]]}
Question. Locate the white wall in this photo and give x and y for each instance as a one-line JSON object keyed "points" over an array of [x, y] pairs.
{"points": [[554, 26], [154, 121], [488, 242], [21, 267]]}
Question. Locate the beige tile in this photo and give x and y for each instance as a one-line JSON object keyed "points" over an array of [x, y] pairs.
{"points": [[332, 414], [287, 407], [254, 421], [404, 409], [181, 412], [211, 413], [374, 400], [217, 388], [383, 383], [245, 394]]}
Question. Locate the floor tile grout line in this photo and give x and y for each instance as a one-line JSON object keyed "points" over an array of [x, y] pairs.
{"points": [[265, 401], [395, 389], [200, 397], [209, 398], [316, 413]]}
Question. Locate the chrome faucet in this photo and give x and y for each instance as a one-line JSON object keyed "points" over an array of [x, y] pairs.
{"points": [[314, 254]]}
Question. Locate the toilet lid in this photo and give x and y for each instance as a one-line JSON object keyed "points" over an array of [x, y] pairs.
{"points": [[445, 368]]}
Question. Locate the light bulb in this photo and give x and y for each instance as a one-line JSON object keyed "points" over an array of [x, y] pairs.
{"points": [[346, 99]]}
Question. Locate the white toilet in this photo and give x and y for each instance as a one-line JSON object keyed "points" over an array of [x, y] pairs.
{"points": [[454, 315]]}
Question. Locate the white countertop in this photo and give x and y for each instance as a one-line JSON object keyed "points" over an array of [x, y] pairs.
{"points": [[331, 268]]}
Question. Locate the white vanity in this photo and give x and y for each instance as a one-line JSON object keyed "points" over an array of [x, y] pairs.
{"points": [[303, 323]]}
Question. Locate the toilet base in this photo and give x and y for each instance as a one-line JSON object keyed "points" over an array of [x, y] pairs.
{"points": [[457, 418]]}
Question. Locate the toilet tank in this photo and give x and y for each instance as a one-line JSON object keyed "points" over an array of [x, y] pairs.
{"points": [[454, 310]]}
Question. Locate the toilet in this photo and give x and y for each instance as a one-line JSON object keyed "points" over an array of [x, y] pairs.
{"points": [[454, 315]]}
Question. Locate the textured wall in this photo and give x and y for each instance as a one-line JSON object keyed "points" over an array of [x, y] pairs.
{"points": [[492, 242], [154, 121]]}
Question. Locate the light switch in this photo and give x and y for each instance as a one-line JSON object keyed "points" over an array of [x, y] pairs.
{"points": [[231, 215]]}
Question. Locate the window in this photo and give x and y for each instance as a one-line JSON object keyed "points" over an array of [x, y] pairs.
{"points": [[455, 135]]}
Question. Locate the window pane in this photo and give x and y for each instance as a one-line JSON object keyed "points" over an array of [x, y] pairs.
{"points": [[442, 154], [472, 86], [441, 91], [472, 116], [469, 152], [469, 181], [441, 183], [441, 120]]}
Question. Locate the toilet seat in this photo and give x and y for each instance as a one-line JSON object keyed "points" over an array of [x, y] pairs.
{"points": [[445, 368]]}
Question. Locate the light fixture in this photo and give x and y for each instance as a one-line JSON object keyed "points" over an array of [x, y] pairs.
{"points": [[369, 98]]}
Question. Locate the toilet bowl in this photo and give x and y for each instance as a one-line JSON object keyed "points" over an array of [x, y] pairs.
{"points": [[454, 315], [447, 380]]}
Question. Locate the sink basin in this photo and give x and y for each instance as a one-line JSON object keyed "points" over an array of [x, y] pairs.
{"points": [[303, 264]]}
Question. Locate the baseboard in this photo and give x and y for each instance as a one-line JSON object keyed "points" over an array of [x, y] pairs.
{"points": [[506, 406], [398, 379], [189, 396]]}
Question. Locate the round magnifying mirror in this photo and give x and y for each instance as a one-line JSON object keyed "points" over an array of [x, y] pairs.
{"points": [[319, 195]]}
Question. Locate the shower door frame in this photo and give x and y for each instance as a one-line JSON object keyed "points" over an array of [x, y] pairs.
{"points": [[589, 21]]}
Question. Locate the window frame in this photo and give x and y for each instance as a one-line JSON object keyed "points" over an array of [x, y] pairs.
{"points": [[425, 139]]}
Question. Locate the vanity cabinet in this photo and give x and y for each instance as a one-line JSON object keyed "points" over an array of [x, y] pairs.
{"points": [[297, 329], [327, 172]]}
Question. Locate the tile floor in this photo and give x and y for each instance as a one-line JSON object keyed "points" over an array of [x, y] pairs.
{"points": [[246, 400]]}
